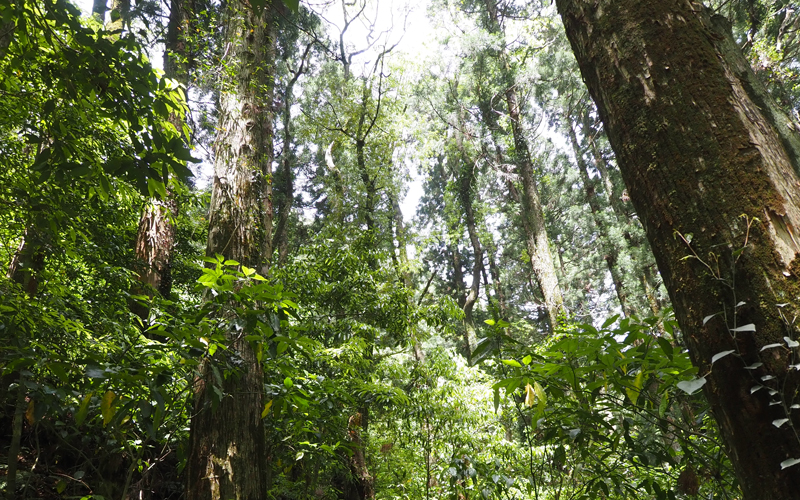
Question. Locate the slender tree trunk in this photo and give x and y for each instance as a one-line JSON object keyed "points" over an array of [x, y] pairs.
{"points": [[465, 190], [405, 272], [711, 168], [500, 295], [226, 458], [634, 238], [536, 239], [337, 202], [25, 269], [610, 251]]}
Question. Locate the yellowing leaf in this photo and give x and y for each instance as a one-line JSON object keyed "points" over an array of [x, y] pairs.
{"points": [[266, 408], [530, 395], [83, 410], [29, 413], [107, 407], [540, 395], [633, 392]]}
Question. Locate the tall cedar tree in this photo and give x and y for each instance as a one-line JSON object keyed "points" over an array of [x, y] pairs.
{"points": [[536, 238], [711, 167], [227, 446]]}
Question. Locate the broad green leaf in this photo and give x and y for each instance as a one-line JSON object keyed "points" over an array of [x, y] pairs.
{"points": [[107, 407], [83, 409]]}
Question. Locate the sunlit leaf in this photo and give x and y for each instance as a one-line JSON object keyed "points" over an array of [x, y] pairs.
{"points": [[692, 386], [107, 407], [720, 355]]}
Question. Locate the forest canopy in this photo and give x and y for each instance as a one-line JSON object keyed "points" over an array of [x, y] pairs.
{"points": [[348, 249]]}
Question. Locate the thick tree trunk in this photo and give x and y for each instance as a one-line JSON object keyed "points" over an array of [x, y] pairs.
{"points": [[226, 458], [710, 167], [99, 8]]}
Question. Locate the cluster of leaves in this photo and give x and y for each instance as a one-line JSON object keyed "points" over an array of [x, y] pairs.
{"points": [[608, 402]]}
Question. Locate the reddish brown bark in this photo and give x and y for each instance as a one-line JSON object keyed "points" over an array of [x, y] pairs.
{"points": [[155, 237], [227, 440], [710, 167]]}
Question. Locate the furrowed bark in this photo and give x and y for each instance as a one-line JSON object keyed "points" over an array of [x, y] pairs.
{"points": [[226, 458], [710, 167], [536, 239], [465, 175]]}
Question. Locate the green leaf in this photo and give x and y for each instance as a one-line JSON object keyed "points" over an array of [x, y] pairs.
{"points": [[512, 362], [107, 407], [287, 382], [609, 321], [665, 346]]}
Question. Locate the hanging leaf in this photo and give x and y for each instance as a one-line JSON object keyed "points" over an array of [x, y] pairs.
{"points": [[541, 396], [266, 408], [750, 327], [83, 409], [779, 422], [770, 346], [530, 396], [692, 386], [633, 392], [29, 413], [708, 318], [107, 407], [791, 343], [789, 462], [720, 355]]}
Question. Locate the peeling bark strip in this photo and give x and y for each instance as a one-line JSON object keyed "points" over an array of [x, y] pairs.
{"points": [[704, 152], [226, 458]]}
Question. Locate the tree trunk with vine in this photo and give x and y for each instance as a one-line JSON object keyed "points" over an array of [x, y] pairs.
{"points": [[227, 444], [710, 165]]}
